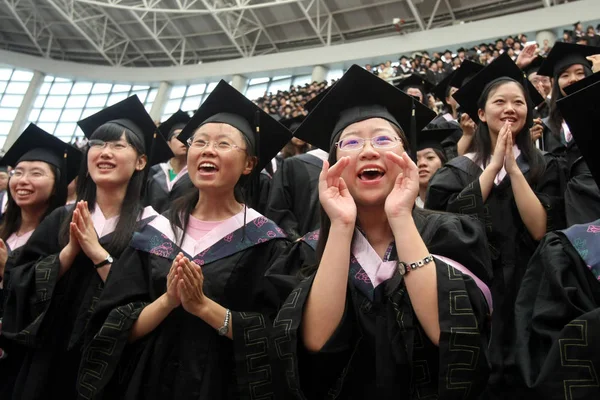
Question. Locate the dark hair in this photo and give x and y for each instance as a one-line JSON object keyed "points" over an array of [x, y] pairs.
{"points": [[482, 143], [555, 118], [131, 206], [11, 219], [246, 191], [325, 221]]}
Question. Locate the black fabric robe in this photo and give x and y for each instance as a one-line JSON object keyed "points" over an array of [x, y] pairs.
{"points": [[582, 197], [551, 143], [455, 188], [45, 318], [557, 318], [379, 350], [157, 193], [294, 198], [185, 358]]}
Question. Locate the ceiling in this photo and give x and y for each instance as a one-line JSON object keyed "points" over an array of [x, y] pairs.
{"points": [[146, 33]]}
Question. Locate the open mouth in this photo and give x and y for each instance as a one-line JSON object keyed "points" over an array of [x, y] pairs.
{"points": [[509, 119], [105, 166], [423, 172], [208, 167], [23, 192], [371, 174]]}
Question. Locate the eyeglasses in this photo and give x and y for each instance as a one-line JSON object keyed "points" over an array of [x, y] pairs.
{"points": [[378, 142], [221, 146], [101, 144], [35, 174]]}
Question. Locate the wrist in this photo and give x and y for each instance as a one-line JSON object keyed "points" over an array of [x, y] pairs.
{"points": [[342, 227], [165, 303], [203, 309], [98, 256], [400, 222]]}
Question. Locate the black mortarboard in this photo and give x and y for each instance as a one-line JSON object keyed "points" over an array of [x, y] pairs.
{"points": [[469, 94], [175, 122], [585, 82], [35, 144], [467, 70], [357, 96], [228, 106], [433, 138], [563, 55], [415, 81], [131, 114], [440, 89], [580, 111], [292, 123], [534, 66], [312, 103], [461, 50], [447, 51]]}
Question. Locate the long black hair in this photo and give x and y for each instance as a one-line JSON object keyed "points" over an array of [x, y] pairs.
{"points": [[131, 206], [246, 191], [11, 220], [555, 118], [482, 142]]}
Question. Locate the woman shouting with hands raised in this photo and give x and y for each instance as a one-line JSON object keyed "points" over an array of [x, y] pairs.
{"points": [[398, 294]]}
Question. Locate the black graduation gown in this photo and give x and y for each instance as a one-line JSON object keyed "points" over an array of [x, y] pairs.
{"points": [[45, 319], [450, 144], [294, 197], [557, 317], [582, 197], [185, 358], [566, 152], [455, 188], [158, 194], [379, 350]]}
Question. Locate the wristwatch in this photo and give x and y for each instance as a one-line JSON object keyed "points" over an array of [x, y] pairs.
{"points": [[225, 328], [108, 260]]}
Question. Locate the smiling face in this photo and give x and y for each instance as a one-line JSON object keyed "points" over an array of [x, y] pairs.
{"points": [[32, 184], [428, 163], [506, 102], [3, 180], [216, 170], [113, 165], [369, 176], [569, 76]]}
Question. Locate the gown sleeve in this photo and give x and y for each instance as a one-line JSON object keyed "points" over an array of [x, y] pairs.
{"points": [[557, 322], [31, 293], [550, 192], [280, 204], [582, 197]]}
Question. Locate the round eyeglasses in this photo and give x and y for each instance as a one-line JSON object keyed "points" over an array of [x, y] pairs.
{"points": [[221, 146], [378, 142], [101, 144]]}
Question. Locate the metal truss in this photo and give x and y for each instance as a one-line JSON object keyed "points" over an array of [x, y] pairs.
{"points": [[320, 19], [183, 6], [100, 31], [36, 29], [241, 26]]}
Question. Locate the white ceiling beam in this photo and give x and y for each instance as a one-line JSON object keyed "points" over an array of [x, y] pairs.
{"points": [[416, 14], [432, 16], [154, 34], [146, 6], [25, 14]]}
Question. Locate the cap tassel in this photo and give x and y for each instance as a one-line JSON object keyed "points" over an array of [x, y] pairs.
{"points": [[63, 184], [146, 169], [250, 193], [412, 135]]}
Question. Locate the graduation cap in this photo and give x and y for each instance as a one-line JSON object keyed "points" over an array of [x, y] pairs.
{"points": [[461, 50], [228, 106], [292, 123], [467, 70], [440, 89], [131, 114], [563, 55], [312, 103], [447, 51], [175, 122], [35, 144], [415, 81], [358, 96], [469, 94], [534, 66], [433, 138], [580, 111]]}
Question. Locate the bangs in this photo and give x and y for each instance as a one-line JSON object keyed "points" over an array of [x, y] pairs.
{"points": [[111, 132]]}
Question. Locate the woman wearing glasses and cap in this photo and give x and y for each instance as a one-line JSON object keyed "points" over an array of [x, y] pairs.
{"points": [[186, 306], [43, 166], [398, 299], [61, 271]]}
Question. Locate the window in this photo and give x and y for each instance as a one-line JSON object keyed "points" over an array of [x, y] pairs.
{"points": [[13, 85], [62, 102], [187, 98]]}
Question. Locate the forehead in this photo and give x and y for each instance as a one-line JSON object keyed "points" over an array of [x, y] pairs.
{"points": [[367, 126], [574, 67], [216, 129], [505, 89], [33, 165]]}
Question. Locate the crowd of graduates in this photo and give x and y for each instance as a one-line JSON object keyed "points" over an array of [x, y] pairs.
{"points": [[369, 239]]}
